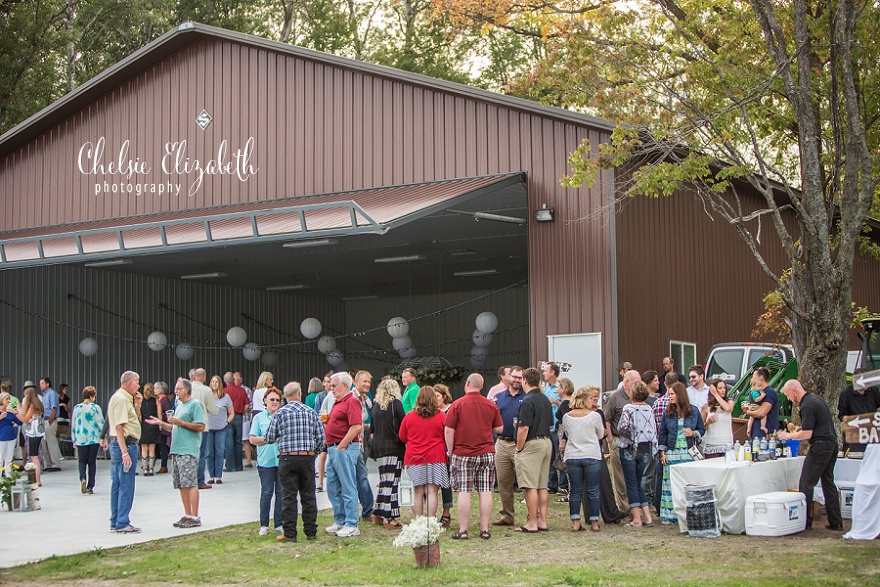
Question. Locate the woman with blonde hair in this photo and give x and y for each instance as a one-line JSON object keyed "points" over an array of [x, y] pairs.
{"points": [[422, 430], [31, 412], [217, 433], [86, 425], [150, 435], [387, 415], [582, 432], [9, 425], [264, 382]]}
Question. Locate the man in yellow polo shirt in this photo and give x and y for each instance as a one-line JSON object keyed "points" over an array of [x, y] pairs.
{"points": [[125, 431]]}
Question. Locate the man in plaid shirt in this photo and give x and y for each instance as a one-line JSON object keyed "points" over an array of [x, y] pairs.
{"points": [[659, 409], [300, 436]]}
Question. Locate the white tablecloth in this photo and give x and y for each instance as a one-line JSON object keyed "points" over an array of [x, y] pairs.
{"points": [[733, 482], [866, 501], [845, 471]]}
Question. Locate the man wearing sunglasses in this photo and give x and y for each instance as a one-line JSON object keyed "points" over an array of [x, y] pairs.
{"points": [[698, 391]]}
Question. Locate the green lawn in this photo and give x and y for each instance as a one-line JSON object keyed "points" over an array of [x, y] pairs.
{"points": [[616, 556]]}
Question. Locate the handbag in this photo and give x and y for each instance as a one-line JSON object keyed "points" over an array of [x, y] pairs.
{"points": [[694, 451], [559, 464], [36, 427]]}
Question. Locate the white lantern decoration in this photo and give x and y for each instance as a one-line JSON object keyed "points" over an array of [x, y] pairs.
{"points": [[326, 344], [398, 327], [251, 351], [310, 328], [335, 358], [408, 352], [236, 336], [157, 341], [480, 353], [487, 322], [477, 363], [401, 343], [88, 346], [184, 351], [270, 358], [482, 339]]}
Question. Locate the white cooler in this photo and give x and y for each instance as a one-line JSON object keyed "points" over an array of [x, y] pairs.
{"points": [[776, 514], [847, 491]]}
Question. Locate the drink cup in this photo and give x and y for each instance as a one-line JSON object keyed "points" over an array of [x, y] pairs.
{"points": [[324, 417], [169, 414], [515, 422]]}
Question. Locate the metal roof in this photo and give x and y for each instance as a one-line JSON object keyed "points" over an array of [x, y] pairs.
{"points": [[366, 211], [188, 33]]}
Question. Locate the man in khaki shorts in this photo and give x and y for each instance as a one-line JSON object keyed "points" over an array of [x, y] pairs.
{"points": [[533, 451], [187, 426]]}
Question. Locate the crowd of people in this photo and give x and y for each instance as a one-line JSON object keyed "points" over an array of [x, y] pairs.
{"points": [[532, 432]]}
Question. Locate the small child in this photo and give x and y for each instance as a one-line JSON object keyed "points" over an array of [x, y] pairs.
{"points": [[757, 398]]}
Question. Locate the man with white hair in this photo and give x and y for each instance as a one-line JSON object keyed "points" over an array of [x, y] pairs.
{"points": [[125, 432], [202, 393], [343, 449], [817, 427], [613, 410]]}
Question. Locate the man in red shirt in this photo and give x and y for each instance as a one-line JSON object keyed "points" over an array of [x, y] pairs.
{"points": [[343, 449], [470, 422], [240, 402]]}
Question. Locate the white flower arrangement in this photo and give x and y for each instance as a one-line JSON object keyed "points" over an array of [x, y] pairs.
{"points": [[422, 531], [30, 467]]}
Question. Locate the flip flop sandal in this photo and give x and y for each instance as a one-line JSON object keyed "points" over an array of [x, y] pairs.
{"points": [[526, 530], [444, 521], [484, 534], [462, 535]]}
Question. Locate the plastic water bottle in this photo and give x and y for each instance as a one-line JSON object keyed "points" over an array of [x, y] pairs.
{"points": [[738, 451], [747, 455]]}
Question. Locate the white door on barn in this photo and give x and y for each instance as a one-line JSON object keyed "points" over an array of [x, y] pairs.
{"points": [[583, 351]]}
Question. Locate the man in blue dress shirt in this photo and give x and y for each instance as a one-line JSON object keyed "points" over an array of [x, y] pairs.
{"points": [[508, 403]]}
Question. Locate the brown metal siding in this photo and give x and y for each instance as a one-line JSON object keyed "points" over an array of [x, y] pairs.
{"points": [[320, 128]]}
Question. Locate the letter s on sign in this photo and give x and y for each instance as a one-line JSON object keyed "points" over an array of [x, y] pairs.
{"points": [[877, 419]]}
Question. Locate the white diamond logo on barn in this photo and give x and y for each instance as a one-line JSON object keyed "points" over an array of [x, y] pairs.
{"points": [[204, 119]]}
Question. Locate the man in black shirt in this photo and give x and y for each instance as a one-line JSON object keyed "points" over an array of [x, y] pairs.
{"points": [[818, 428], [533, 450], [857, 401]]}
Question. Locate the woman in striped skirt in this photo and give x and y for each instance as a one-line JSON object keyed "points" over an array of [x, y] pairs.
{"points": [[423, 432], [387, 450]]}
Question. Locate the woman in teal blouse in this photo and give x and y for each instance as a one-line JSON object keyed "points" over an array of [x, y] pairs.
{"points": [[87, 422]]}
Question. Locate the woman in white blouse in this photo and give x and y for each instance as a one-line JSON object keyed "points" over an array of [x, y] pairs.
{"points": [[716, 417], [582, 430], [638, 445]]}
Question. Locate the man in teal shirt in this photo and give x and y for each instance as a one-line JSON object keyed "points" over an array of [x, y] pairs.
{"points": [[412, 389], [187, 426]]}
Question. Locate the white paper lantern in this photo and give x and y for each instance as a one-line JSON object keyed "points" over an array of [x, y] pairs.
{"points": [[482, 339], [477, 363], [335, 358], [326, 344], [236, 336], [270, 358], [487, 322], [184, 351], [157, 341], [401, 342], [310, 328], [408, 352], [398, 327], [88, 346], [251, 351], [480, 353]]}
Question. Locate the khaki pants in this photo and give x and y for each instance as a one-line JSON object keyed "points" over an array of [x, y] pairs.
{"points": [[51, 450], [617, 476], [505, 468]]}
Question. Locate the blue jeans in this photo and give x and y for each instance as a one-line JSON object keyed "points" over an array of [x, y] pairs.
{"points": [[121, 485], [583, 476], [634, 464], [234, 456], [342, 485], [203, 458], [270, 485], [216, 452], [365, 491]]}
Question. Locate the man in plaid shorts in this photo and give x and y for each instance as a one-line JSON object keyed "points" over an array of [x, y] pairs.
{"points": [[187, 426], [470, 423]]}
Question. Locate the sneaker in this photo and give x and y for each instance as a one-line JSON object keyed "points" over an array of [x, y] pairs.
{"points": [[112, 530], [333, 529], [90, 492], [264, 530], [178, 522], [347, 531], [128, 530], [82, 486], [190, 523], [279, 529], [320, 488]]}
